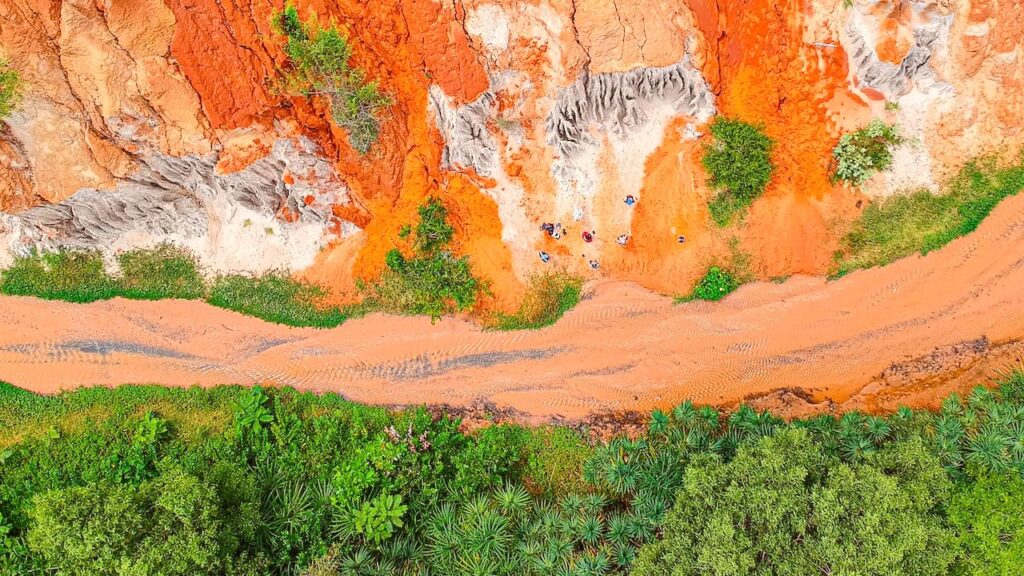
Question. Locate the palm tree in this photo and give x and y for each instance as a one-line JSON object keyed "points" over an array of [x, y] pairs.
{"points": [[856, 447], [987, 449], [589, 530], [685, 415], [850, 423], [512, 500], [708, 418], [876, 429], [1016, 442], [658, 425]]}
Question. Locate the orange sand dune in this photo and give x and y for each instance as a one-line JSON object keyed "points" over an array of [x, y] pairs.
{"points": [[905, 333]]}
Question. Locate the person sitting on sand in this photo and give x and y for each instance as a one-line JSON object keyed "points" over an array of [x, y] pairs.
{"points": [[681, 239]]}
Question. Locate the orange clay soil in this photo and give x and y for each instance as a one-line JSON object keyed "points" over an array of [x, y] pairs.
{"points": [[770, 65], [400, 44], [907, 333]]}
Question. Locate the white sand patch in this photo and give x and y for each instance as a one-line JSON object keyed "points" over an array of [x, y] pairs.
{"points": [[232, 222], [489, 23], [469, 144]]}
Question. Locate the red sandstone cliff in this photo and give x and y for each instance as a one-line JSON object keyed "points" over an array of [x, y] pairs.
{"points": [[516, 113]]}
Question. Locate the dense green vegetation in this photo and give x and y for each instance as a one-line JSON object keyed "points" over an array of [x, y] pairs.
{"points": [[716, 284], [921, 222], [860, 154], [738, 160], [319, 59], [548, 297], [10, 88], [167, 272], [431, 280], [146, 480]]}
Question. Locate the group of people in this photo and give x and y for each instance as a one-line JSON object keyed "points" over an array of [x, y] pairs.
{"points": [[555, 230]]}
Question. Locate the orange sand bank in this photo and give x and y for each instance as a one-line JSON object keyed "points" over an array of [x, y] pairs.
{"points": [[907, 333]]}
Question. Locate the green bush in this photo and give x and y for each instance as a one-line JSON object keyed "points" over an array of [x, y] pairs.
{"points": [[987, 516], [547, 299], [783, 505], [10, 88], [172, 525], [738, 160], [860, 154], [716, 284], [320, 66], [921, 222], [275, 297], [432, 281]]}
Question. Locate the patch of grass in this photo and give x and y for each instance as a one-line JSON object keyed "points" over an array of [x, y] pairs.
{"points": [[432, 281], [547, 299], [319, 59], [738, 160], [715, 285], [275, 297], [10, 88], [860, 154], [170, 272], [554, 460], [74, 276], [80, 276], [164, 272], [921, 222]]}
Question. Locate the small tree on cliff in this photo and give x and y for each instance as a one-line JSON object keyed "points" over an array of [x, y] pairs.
{"points": [[319, 59], [10, 88], [432, 281], [738, 160]]}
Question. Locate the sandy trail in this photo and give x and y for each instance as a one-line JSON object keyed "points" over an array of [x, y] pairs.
{"points": [[904, 333]]}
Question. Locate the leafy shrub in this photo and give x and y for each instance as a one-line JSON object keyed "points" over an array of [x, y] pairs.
{"points": [[433, 281], [921, 222], [275, 297], [738, 160], [988, 518], [860, 154], [163, 272], [715, 285], [70, 276], [320, 66], [171, 525], [548, 297], [773, 509], [10, 88]]}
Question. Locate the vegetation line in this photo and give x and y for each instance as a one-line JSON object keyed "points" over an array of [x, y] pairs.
{"points": [[899, 226], [229, 480]]}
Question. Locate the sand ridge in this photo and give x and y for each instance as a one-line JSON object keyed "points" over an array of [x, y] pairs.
{"points": [[905, 333]]}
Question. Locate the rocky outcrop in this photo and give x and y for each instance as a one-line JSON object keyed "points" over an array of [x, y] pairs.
{"points": [[622, 102], [183, 199], [153, 120]]}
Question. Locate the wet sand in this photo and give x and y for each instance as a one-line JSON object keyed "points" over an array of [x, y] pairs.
{"points": [[903, 334]]}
